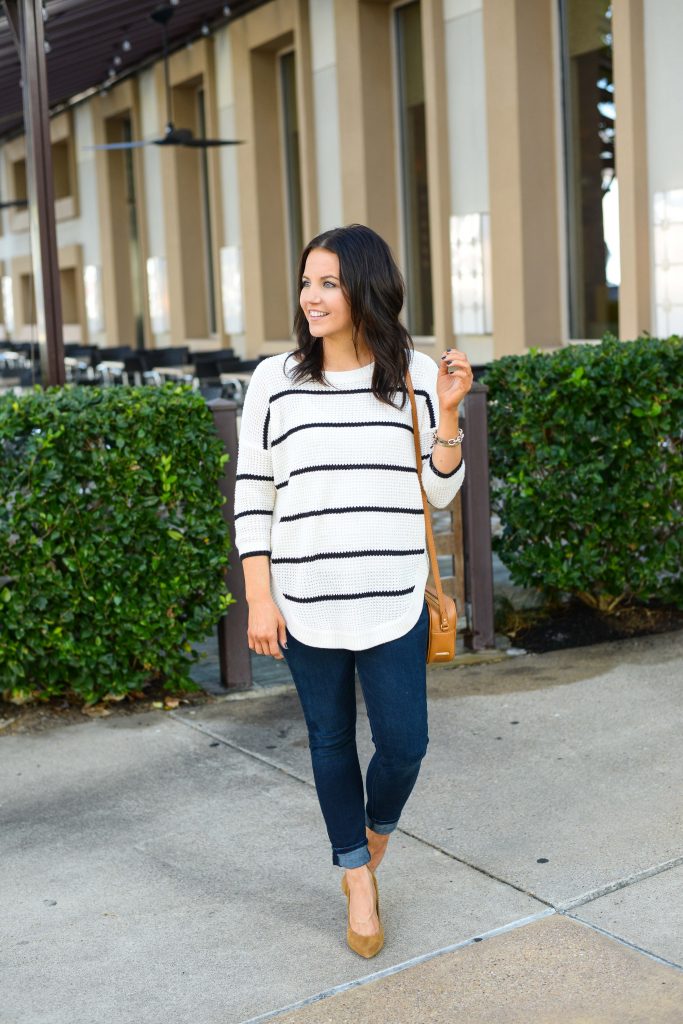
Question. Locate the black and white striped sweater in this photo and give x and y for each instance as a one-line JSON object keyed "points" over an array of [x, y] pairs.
{"points": [[327, 486]]}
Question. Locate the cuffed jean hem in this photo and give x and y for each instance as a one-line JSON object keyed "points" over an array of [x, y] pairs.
{"points": [[381, 828], [353, 858]]}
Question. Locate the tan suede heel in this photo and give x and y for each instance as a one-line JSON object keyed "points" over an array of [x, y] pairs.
{"points": [[365, 945]]}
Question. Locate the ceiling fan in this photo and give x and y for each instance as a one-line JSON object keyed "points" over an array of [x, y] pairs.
{"points": [[173, 136]]}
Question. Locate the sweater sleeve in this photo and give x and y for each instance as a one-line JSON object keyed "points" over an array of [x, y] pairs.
{"points": [[254, 483], [440, 488]]}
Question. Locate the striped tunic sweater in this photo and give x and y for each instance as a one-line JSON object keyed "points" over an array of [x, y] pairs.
{"points": [[327, 487]]}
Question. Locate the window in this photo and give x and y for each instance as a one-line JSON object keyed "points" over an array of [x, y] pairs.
{"points": [[61, 169], [69, 295], [64, 176], [20, 182], [72, 295], [590, 168], [413, 156], [290, 134], [28, 303]]}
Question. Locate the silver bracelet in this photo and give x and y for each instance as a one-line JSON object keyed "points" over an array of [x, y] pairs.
{"points": [[452, 441]]}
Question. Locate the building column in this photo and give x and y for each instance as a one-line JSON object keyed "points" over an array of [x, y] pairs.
{"points": [[307, 121], [324, 71], [523, 175], [435, 86], [635, 290], [366, 116]]}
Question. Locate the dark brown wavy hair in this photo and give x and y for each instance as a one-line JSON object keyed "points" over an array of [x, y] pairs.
{"points": [[374, 288]]}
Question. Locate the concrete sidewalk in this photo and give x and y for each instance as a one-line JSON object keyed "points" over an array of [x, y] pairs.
{"points": [[174, 867]]}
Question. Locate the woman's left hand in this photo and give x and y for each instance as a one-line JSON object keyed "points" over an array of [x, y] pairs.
{"points": [[451, 388]]}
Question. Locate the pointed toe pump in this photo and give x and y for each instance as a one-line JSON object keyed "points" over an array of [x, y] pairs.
{"points": [[364, 945]]}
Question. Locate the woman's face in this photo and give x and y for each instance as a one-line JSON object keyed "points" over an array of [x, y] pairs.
{"points": [[322, 300]]}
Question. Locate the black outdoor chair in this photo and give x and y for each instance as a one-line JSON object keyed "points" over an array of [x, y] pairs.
{"points": [[175, 355], [211, 369], [77, 350], [207, 370], [115, 354], [112, 354], [78, 365], [28, 376], [29, 350], [136, 366], [204, 354], [479, 371]]}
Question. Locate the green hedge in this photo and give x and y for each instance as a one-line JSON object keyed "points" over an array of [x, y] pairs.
{"points": [[587, 469], [112, 540]]}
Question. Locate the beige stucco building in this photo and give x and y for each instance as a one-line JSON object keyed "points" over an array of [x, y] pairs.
{"points": [[520, 156]]}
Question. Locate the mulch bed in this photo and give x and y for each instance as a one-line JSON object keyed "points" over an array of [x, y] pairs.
{"points": [[38, 717], [577, 625]]}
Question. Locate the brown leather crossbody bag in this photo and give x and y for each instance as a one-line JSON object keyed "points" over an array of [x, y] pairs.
{"points": [[443, 614]]}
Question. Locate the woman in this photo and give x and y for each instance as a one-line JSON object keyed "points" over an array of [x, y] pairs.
{"points": [[329, 524]]}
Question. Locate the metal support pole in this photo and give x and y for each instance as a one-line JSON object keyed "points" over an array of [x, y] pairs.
{"points": [[233, 648], [476, 509], [26, 21]]}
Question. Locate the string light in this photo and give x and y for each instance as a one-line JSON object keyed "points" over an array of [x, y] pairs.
{"points": [[118, 61], [206, 31], [126, 46], [46, 46], [226, 10]]}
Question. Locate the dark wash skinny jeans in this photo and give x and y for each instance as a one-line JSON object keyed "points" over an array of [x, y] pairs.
{"points": [[393, 679]]}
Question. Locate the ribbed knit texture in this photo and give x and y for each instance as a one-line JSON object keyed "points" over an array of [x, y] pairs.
{"points": [[327, 486]]}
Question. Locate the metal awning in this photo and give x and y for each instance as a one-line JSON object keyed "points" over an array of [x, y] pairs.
{"points": [[88, 39], [53, 52]]}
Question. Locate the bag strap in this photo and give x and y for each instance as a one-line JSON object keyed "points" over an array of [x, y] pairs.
{"points": [[428, 517]]}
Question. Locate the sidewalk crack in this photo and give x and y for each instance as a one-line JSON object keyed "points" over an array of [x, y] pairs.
{"points": [[623, 941], [621, 883]]}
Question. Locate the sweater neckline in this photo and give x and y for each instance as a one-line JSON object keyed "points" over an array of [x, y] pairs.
{"points": [[360, 371]]}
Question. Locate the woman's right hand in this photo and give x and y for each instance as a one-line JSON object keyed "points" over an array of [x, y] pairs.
{"points": [[266, 626]]}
